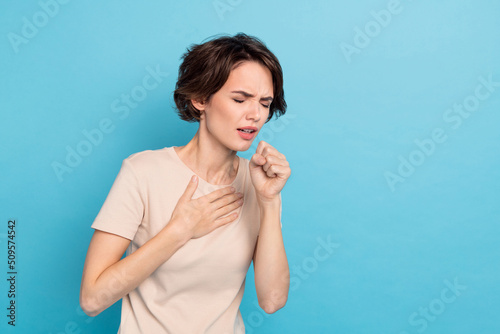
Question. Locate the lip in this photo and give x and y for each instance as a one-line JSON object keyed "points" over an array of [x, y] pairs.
{"points": [[247, 136], [249, 128]]}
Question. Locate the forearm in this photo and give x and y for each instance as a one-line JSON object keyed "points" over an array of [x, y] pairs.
{"points": [[119, 279], [272, 276]]}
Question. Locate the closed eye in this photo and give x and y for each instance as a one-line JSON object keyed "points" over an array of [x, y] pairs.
{"points": [[241, 101]]}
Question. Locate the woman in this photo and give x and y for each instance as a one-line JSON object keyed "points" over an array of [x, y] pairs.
{"points": [[192, 218]]}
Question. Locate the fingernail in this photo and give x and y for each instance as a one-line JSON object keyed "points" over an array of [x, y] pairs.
{"points": [[193, 178]]}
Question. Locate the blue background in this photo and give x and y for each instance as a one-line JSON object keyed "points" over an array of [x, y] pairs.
{"points": [[353, 118]]}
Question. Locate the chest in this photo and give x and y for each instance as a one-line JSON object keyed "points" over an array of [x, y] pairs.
{"points": [[228, 248]]}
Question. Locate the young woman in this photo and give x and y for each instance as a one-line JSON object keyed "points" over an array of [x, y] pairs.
{"points": [[192, 218]]}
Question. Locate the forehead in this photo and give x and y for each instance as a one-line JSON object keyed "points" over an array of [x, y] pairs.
{"points": [[251, 75]]}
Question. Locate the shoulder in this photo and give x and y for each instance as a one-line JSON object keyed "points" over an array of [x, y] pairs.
{"points": [[148, 160]]}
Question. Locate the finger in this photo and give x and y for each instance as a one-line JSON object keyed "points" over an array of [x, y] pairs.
{"points": [[228, 208], [282, 172], [260, 147], [225, 200], [226, 220], [216, 194], [271, 171], [257, 160], [270, 150], [274, 160], [265, 149], [190, 189]]}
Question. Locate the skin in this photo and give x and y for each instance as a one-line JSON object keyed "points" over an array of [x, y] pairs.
{"points": [[211, 154]]}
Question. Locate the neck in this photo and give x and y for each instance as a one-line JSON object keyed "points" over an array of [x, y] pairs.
{"points": [[212, 161]]}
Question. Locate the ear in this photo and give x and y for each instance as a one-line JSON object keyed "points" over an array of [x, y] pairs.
{"points": [[198, 104]]}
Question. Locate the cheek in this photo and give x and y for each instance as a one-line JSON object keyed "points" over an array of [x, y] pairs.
{"points": [[265, 115], [222, 109], [219, 116]]}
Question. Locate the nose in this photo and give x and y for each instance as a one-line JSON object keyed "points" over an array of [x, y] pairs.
{"points": [[254, 112]]}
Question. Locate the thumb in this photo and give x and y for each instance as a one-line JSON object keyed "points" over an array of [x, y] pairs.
{"points": [[257, 160], [190, 189]]}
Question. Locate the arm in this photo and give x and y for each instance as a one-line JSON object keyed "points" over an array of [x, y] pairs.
{"points": [[270, 170], [272, 276], [106, 278]]}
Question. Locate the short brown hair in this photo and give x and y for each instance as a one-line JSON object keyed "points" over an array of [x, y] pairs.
{"points": [[205, 68]]}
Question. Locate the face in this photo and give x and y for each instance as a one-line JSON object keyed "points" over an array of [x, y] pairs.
{"points": [[234, 115]]}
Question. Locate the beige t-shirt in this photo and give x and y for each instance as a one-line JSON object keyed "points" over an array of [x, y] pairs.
{"points": [[199, 289]]}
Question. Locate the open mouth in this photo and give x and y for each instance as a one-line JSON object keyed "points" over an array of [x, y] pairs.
{"points": [[247, 133], [246, 130]]}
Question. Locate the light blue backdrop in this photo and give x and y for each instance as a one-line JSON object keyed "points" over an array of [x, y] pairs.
{"points": [[391, 216]]}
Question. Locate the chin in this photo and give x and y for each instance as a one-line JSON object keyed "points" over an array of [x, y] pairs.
{"points": [[241, 147]]}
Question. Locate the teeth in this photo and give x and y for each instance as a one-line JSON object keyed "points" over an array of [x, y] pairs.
{"points": [[246, 130]]}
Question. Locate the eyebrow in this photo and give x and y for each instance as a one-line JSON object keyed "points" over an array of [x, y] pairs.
{"points": [[246, 94]]}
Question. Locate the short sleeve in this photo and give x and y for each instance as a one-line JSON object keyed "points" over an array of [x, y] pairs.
{"points": [[123, 209]]}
